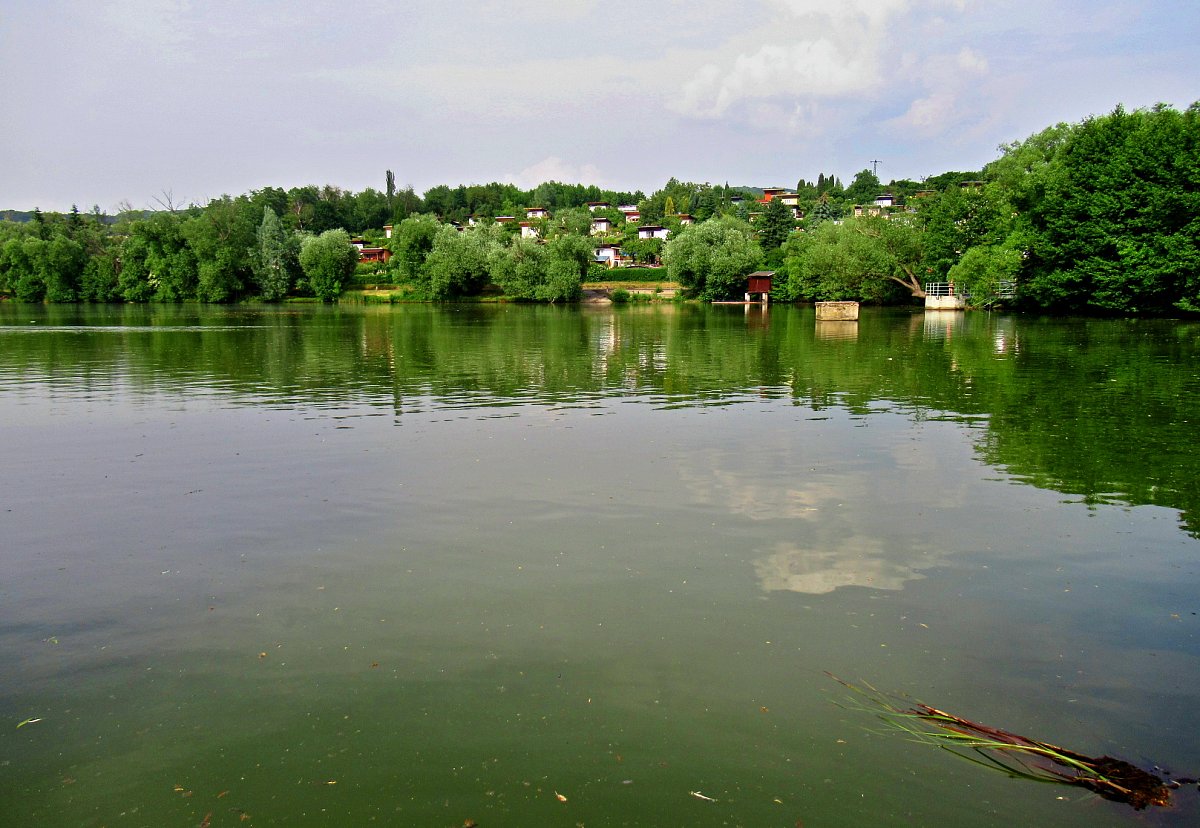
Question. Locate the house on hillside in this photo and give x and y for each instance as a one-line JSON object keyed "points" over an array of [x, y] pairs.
{"points": [[631, 213], [505, 219], [885, 200], [536, 212], [601, 225], [598, 205], [652, 231], [528, 231], [387, 231], [686, 218], [771, 192], [378, 255], [610, 255]]}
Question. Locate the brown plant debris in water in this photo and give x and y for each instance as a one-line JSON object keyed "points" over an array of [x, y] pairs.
{"points": [[1019, 756]]}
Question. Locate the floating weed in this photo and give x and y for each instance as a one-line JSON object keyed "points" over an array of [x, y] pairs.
{"points": [[1015, 755]]}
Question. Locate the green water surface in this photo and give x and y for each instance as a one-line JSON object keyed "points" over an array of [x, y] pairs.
{"points": [[424, 565]]}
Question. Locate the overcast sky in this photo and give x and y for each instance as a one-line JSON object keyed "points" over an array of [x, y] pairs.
{"points": [[102, 102]]}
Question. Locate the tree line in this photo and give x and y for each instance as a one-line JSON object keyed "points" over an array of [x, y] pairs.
{"points": [[1098, 216]]}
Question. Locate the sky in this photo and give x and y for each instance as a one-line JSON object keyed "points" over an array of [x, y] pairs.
{"points": [[140, 101]]}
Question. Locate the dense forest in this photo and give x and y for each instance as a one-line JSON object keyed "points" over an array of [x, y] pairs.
{"points": [[1102, 216]]}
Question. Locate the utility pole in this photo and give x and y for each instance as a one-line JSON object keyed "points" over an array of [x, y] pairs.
{"points": [[875, 168]]}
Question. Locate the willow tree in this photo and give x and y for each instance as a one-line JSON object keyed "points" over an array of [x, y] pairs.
{"points": [[328, 261]]}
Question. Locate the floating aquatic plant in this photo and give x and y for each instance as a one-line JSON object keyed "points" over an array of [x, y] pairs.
{"points": [[1018, 756]]}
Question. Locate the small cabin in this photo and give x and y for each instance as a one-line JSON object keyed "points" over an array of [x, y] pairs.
{"points": [[598, 205], [536, 212], [378, 255], [758, 284], [601, 225], [652, 231], [528, 231]]}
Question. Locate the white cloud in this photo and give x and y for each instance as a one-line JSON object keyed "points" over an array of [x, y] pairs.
{"points": [[160, 25], [554, 168], [817, 50], [946, 80], [971, 61]]}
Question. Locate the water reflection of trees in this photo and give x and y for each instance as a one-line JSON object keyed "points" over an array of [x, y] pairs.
{"points": [[1101, 409]]}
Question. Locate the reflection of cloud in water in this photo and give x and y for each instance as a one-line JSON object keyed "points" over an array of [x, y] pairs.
{"points": [[854, 560], [829, 505], [738, 493]]}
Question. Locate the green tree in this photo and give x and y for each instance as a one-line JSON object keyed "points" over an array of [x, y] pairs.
{"points": [[458, 263], [864, 259], [982, 270], [711, 260], [222, 238], [567, 260], [328, 261], [864, 188], [519, 269], [276, 258], [959, 219], [133, 280], [821, 212], [412, 242], [62, 266], [775, 224], [1115, 228], [168, 261]]}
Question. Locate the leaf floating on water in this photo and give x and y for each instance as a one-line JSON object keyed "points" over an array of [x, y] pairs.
{"points": [[559, 797], [34, 720], [699, 795]]}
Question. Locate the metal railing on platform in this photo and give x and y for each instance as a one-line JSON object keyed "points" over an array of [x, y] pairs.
{"points": [[940, 289], [1005, 289]]}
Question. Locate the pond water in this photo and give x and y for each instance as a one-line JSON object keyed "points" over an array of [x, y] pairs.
{"points": [[567, 566]]}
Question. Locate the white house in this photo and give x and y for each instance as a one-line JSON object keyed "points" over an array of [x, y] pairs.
{"points": [[601, 225], [528, 231], [609, 255], [536, 212], [387, 230], [652, 231], [598, 205], [685, 218], [885, 200]]}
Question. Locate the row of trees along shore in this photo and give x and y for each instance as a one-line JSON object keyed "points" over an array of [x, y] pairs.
{"points": [[1101, 216]]}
